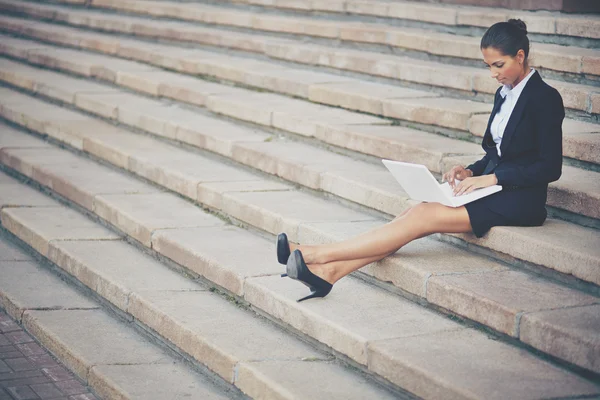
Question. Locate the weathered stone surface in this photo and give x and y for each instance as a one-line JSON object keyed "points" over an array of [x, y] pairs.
{"points": [[436, 43], [550, 56], [16, 194], [73, 336], [69, 175], [105, 105], [294, 82], [578, 97], [397, 143], [209, 252], [376, 8], [444, 112], [216, 135], [152, 382], [497, 298], [18, 47], [303, 118], [11, 137], [559, 245], [215, 332], [329, 5], [424, 12], [141, 215], [284, 211], [81, 182], [211, 194], [432, 73], [361, 96], [570, 333], [25, 160], [427, 367], [351, 316], [478, 124], [61, 59], [21, 289], [10, 252], [242, 108], [19, 77], [296, 162], [305, 379], [578, 191], [368, 184], [18, 109], [38, 226], [115, 270], [582, 27], [364, 33], [582, 146], [183, 171]]}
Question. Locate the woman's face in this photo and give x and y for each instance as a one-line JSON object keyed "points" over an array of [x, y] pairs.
{"points": [[505, 69]]}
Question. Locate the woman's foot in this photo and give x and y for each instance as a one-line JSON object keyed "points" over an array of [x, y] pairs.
{"points": [[283, 248], [298, 270], [323, 271]]}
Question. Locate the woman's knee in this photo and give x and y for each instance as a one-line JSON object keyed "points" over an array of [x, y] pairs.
{"points": [[425, 209]]}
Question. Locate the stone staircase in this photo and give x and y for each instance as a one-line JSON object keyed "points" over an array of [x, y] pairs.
{"points": [[196, 131]]}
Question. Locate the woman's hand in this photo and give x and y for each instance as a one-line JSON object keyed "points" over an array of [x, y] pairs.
{"points": [[477, 182], [457, 172]]}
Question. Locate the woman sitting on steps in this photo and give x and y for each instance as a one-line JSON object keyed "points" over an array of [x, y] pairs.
{"points": [[523, 145]]}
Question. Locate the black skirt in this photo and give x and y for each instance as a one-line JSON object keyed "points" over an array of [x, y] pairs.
{"points": [[509, 207]]}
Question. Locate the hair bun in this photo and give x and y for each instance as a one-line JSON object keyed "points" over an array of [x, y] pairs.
{"points": [[519, 24]]}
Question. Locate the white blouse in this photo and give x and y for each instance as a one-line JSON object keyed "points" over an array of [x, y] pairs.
{"points": [[510, 95]]}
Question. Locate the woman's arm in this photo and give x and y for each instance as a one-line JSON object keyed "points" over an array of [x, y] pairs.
{"points": [[479, 166], [548, 118]]}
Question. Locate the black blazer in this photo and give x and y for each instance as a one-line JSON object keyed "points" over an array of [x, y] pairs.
{"points": [[531, 149]]}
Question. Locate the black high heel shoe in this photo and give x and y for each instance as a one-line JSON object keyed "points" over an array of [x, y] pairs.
{"points": [[283, 249], [297, 270]]}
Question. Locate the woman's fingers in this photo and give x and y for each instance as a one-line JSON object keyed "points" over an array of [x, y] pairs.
{"points": [[466, 186]]}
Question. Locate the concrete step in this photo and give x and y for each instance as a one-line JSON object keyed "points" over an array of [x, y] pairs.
{"points": [[274, 207], [250, 354], [365, 134], [446, 15], [361, 182], [107, 353], [570, 59], [579, 140], [468, 80], [377, 336]]}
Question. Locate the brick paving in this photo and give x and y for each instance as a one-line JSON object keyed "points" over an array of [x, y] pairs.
{"points": [[29, 372]]}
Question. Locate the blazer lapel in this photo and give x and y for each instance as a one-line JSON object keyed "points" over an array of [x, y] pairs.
{"points": [[517, 113], [487, 136]]}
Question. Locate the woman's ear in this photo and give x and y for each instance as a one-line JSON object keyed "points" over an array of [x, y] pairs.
{"points": [[520, 56]]}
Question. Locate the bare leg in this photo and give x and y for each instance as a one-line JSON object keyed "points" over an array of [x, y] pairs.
{"points": [[336, 270], [421, 220], [304, 248]]}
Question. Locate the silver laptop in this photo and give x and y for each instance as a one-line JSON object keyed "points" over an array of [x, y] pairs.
{"points": [[421, 185]]}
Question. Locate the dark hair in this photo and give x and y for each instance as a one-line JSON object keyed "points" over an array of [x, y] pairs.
{"points": [[508, 37]]}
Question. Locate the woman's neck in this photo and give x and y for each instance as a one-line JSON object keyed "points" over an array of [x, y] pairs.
{"points": [[522, 76]]}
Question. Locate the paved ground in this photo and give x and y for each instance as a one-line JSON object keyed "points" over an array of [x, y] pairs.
{"points": [[28, 371]]}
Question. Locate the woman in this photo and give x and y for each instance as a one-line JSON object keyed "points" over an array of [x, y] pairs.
{"points": [[523, 146]]}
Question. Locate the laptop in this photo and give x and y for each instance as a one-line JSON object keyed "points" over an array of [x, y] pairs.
{"points": [[421, 185]]}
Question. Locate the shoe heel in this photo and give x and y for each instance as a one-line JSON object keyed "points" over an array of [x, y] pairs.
{"points": [[283, 275], [313, 295]]}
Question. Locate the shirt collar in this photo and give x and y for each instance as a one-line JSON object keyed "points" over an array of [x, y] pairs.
{"points": [[516, 91]]}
